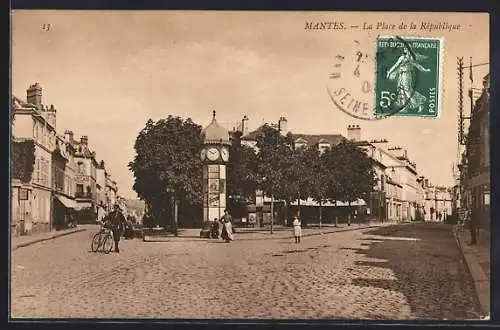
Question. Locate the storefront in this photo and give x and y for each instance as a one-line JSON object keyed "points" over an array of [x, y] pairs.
{"points": [[63, 213], [479, 190], [21, 213]]}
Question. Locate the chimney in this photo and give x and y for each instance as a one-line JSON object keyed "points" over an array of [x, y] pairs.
{"points": [[34, 95], [51, 115], [354, 133], [84, 140], [283, 125], [244, 126], [102, 163], [68, 135]]}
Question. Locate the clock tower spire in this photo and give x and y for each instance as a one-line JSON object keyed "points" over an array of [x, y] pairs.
{"points": [[214, 155]]}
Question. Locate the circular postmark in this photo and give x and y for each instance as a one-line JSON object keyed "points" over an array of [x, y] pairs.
{"points": [[357, 74]]}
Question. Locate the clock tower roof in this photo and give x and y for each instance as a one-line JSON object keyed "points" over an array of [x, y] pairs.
{"points": [[214, 133]]}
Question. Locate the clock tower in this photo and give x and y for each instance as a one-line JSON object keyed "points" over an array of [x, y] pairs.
{"points": [[214, 155]]}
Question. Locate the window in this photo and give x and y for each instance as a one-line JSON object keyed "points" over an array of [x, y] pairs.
{"points": [[79, 189], [35, 131], [81, 168], [486, 139], [36, 176]]}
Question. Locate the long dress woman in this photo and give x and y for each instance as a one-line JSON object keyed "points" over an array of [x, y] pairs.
{"points": [[227, 231], [402, 72]]}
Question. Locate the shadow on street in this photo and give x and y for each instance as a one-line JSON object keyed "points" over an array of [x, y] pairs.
{"points": [[427, 266]]}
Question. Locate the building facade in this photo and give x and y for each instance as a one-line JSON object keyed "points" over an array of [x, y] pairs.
{"points": [[63, 201], [111, 192], [85, 181], [61, 189], [399, 194], [476, 165], [34, 121]]}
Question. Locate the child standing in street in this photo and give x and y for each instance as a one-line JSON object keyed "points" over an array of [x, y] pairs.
{"points": [[297, 229]]}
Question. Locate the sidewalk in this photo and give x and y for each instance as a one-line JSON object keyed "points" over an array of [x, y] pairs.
{"points": [[477, 259], [22, 241], [281, 232]]}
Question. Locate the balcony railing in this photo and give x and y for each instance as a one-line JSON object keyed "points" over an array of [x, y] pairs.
{"points": [[83, 194]]}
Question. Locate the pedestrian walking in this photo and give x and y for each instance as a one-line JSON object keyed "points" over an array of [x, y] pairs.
{"points": [[227, 229], [117, 222], [297, 229]]}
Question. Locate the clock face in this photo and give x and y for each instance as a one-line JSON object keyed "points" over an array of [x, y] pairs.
{"points": [[203, 153], [212, 154], [224, 153]]}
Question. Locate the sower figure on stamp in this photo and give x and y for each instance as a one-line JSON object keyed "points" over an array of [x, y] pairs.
{"points": [[117, 222], [402, 72], [297, 229]]}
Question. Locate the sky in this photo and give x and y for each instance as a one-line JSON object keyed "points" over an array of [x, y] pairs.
{"points": [[107, 73]]}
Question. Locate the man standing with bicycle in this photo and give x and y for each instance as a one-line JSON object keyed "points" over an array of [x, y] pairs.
{"points": [[117, 224]]}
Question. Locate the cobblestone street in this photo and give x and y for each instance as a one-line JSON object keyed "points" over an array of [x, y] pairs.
{"points": [[407, 271]]}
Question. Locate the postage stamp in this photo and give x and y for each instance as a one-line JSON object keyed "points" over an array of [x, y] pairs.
{"points": [[408, 76]]}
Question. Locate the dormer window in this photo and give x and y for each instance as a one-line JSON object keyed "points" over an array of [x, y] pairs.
{"points": [[323, 145], [300, 143]]}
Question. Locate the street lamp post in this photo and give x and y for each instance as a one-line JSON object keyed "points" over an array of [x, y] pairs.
{"points": [[272, 194]]}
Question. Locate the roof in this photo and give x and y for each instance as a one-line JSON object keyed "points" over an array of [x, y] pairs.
{"points": [[82, 150], [215, 133], [311, 139]]}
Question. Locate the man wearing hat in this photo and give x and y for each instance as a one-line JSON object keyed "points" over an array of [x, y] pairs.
{"points": [[117, 222]]}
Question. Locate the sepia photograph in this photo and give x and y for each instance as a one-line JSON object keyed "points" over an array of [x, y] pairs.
{"points": [[249, 165]]}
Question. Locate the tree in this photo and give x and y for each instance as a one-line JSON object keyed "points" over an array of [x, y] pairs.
{"points": [[301, 173], [23, 160], [241, 176], [322, 180], [273, 158], [331, 189], [167, 165], [356, 174]]}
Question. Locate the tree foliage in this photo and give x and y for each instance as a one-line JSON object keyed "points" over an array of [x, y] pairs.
{"points": [[23, 160], [241, 169], [273, 163], [167, 161], [355, 172]]}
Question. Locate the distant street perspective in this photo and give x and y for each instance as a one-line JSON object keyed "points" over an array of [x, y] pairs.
{"points": [[372, 273]]}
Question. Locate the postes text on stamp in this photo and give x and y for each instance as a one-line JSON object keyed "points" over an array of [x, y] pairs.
{"points": [[408, 77]]}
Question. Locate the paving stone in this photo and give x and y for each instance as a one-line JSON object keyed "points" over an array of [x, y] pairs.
{"points": [[384, 276]]}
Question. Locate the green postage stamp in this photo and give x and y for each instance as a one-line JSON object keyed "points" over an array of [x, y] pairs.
{"points": [[408, 76]]}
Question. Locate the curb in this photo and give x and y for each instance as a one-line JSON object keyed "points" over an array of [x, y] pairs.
{"points": [[479, 278], [312, 234], [47, 238]]}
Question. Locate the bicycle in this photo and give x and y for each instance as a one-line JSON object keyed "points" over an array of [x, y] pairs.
{"points": [[102, 240]]}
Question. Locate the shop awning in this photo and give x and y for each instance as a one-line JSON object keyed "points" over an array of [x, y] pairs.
{"points": [[69, 203], [311, 202], [83, 205], [358, 202]]}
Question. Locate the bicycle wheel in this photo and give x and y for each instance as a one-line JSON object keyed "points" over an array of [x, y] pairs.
{"points": [[107, 245], [96, 242]]}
